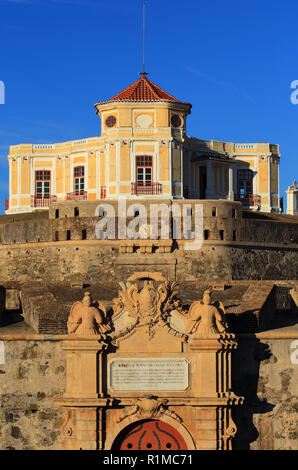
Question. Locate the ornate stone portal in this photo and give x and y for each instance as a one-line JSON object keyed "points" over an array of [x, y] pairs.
{"points": [[154, 362]]}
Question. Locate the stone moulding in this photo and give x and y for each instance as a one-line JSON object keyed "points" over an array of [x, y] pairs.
{"points": [[105, 396], [149, 407]]}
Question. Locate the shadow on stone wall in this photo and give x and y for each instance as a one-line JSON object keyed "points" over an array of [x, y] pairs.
{"points": [[245, 381], [8, 317]]}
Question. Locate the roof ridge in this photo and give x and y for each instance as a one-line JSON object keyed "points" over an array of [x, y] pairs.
{"points": [[142, 89], [134, 85], [149, 84], [159, 88]]}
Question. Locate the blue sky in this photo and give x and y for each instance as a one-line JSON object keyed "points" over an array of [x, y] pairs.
{"points": [[234, 61]]}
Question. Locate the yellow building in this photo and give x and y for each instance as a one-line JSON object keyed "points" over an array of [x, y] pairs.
{"points": [[143, 151]]}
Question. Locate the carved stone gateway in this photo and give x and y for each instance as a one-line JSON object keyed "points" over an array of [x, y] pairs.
{"points": [[155, 366]]}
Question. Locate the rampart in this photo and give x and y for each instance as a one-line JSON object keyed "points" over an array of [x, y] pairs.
{"points": [[48, 259], [62, 245]]}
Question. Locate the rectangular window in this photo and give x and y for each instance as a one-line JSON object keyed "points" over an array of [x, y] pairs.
{"points": [[206, 234], [79, 179], [43, 183], [244, 182], [144, 170]]}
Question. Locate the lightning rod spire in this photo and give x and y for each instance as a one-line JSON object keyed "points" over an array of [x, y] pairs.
{"points": [[144, 26]]}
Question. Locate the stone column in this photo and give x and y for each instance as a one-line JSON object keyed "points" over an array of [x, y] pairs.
{"points": [[210, 181], [231, 184], [189, 175], [292, 199], [211, 369], [269, 183], [84, 368], [193, 170], [171, 167], [206, 428], [181, 171], [97, 156], [278, 187], [19, 178], [10, 184], [83, 400]]}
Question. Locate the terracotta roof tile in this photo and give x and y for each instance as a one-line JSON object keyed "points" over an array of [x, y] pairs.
{"points": [[142, 90]]}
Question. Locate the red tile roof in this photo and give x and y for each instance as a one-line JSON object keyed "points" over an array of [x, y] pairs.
{"points": [[142, 90]]}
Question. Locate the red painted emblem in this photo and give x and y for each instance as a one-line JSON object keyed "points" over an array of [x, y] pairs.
{"points": [[150, 435]]}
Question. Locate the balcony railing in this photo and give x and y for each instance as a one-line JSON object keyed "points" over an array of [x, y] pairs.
{"points": [[146, 188], [103, 192], [249, 199], [76, 196], [42, 201], [6, 204]]}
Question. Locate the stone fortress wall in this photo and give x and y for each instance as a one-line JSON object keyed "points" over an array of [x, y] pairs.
{"points": [[45, 256], [60, 245], [32, 381], [224, 220]]}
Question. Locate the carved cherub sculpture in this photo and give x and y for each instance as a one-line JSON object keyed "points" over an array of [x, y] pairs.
{"points": [[86, 319], [205, 317]]}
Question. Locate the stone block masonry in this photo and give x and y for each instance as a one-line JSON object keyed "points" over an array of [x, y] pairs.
{"points": [[32, 380], [57, 245], [102, 260], [268, 379]]}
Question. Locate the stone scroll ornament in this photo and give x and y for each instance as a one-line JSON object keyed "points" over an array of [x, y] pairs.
{"points": [[205, 317], [149, 407], [86, 318]]}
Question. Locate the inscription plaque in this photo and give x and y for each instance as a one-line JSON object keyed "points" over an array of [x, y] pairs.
{"points": [[142, 374]]}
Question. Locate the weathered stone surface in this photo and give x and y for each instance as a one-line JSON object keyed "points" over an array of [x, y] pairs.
{"points": [[94, 262], [251, 246], [41, 270], [12, 299], [33, 379], [268, 380]]}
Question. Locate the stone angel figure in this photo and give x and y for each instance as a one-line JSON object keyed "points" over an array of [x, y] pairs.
{"points": [[86, 319], [205, 317]]}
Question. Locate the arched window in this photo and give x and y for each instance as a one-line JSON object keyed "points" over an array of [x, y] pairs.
{"points": [[79, 179]]}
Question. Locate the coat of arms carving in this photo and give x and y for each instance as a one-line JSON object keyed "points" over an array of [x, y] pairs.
{"points": [[147, 304]]}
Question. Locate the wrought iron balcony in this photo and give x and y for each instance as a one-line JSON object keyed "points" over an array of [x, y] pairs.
{"points": [[42, 200], [249, 199], [146, 188], [76, 195]]}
